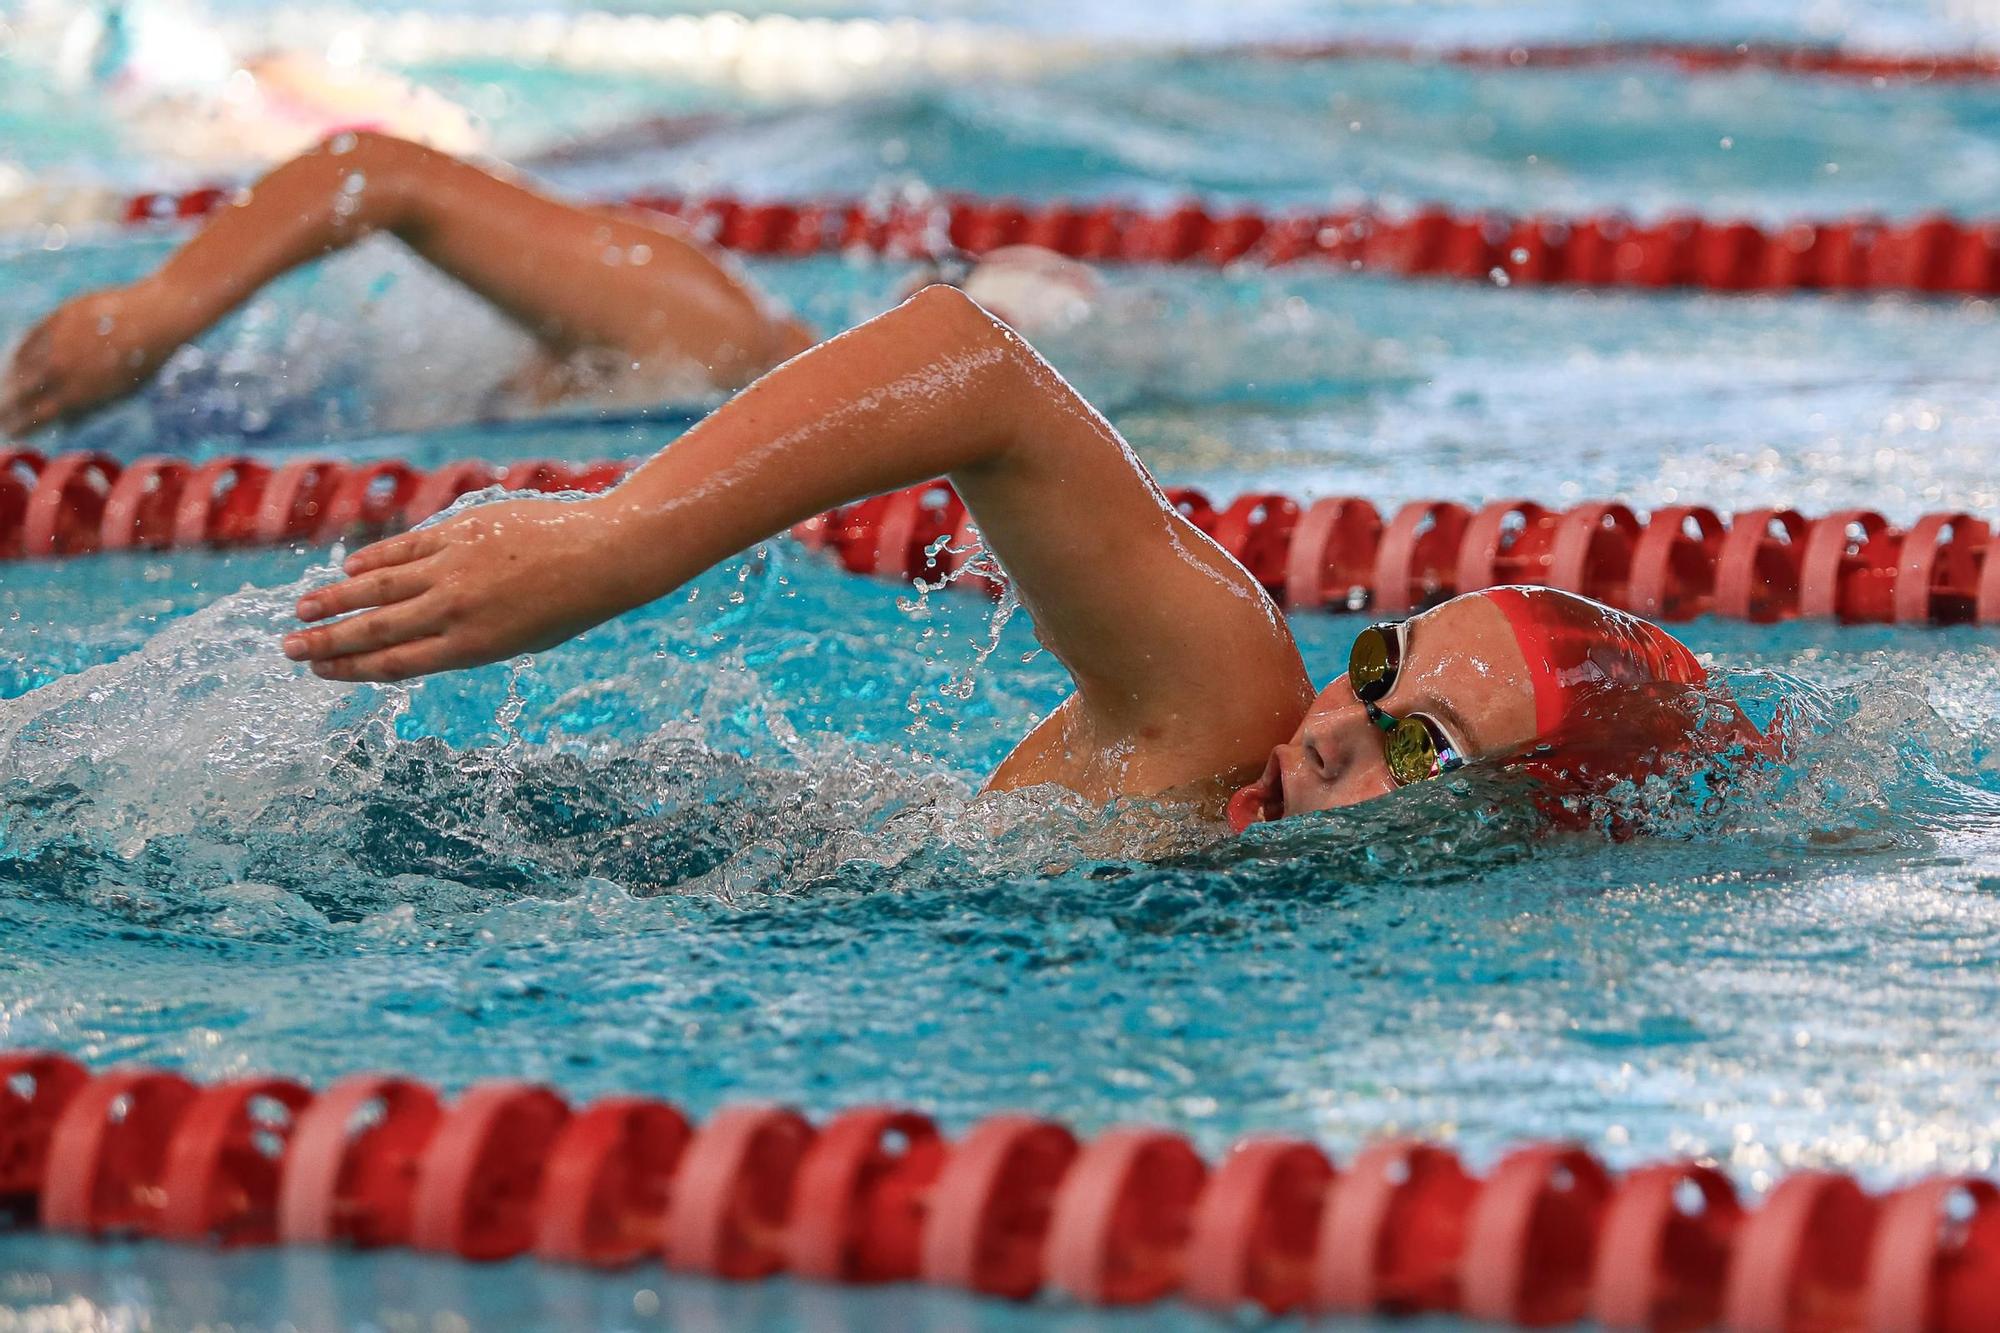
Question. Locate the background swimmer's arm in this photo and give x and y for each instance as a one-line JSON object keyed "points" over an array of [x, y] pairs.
{"points": [[572, 277], [1185, 670]]}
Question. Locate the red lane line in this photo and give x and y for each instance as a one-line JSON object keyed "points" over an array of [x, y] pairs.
{"points": [[1015, 1207], [1931, 255], [1675, 564], [1689, 57]]}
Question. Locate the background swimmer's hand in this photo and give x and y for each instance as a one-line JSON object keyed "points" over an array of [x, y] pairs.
{"points": [[496, 581], [89, 351]]}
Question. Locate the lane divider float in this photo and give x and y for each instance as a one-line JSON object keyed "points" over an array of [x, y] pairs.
{"points": [[1336, 553], [1341, 553], [1933, 255], [1016, 1207], [1686, 57]]}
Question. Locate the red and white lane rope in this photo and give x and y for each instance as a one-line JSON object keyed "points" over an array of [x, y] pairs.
{"points": [[1015, 1207], [1334, 553], [1683, 561], [1934, 254], [1687, 57]]}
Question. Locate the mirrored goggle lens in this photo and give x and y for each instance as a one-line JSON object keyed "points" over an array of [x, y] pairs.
{"points": [[1371, 667], [1416, 750]]}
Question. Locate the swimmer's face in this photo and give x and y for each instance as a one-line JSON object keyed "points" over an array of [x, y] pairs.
{"points": [[1462, 668]]}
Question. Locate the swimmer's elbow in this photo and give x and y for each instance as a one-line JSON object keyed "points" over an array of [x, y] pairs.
{"points": [[956, 320], [394, 171], [370, 151], [951, 324], [988, 365], [342, 142]]}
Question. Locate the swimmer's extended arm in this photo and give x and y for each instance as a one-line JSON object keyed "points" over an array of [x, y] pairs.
{"points": [[1185, 671], [573, 277]]}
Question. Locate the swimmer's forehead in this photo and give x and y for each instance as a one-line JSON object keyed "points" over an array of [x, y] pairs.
{"points": [[1466, 638], [1463, 663]]}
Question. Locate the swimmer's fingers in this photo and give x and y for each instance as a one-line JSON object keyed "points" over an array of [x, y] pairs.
{"points": [[367, 633], [398, 550], [401, 662], [383, 587]]}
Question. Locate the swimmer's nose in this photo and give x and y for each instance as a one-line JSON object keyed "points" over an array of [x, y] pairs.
{"points": [[1336, 760], [1307, 774], [1326, 747]]}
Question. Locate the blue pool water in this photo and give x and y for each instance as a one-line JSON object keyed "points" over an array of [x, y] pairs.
{"points": [[730, 846]]}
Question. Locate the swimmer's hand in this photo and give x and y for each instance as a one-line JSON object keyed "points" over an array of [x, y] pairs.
{"points": [[89, 351], [495, 582]]}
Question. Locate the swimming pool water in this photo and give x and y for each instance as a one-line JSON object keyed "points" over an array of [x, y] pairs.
{"points": [[728, 847], [701, 853], [1297, 381]]}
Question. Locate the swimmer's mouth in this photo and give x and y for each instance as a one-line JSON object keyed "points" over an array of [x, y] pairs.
{"points": [[1261, 801]]}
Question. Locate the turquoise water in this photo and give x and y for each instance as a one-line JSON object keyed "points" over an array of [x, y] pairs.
{"points": [[729, 846], [719, 850], [1636, 138], [121, 1286]]}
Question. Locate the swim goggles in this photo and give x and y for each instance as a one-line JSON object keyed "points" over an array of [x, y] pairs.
{"points": [[1416, 747]]}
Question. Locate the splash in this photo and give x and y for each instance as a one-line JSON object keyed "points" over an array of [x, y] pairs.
{"points": [[728, 752], [207, 726], [978, 565], [203, 782]]}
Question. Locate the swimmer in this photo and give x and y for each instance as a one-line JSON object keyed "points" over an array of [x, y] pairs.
{"points": [[1188, 685], [189, 96], [623, 305]]}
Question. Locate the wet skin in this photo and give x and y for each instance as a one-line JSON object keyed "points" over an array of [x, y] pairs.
{"points": [[1462, 668]]}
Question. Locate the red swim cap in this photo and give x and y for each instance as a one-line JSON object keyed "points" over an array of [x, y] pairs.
{"points": [[1576, 648], [1616, 697]]}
